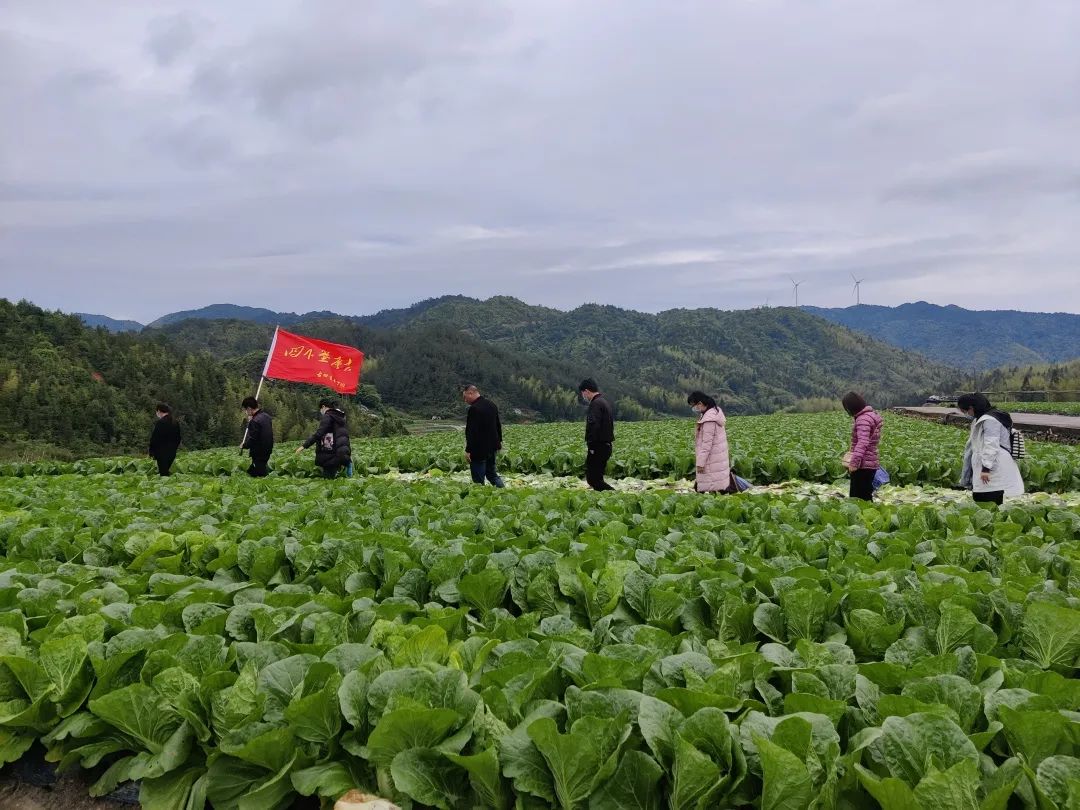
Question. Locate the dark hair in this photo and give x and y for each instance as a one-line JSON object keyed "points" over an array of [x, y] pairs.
{"points": [[853, 403], [326, 402], [588, 384], [977, 401], [249, 402], [699, 398], [163, 408]]}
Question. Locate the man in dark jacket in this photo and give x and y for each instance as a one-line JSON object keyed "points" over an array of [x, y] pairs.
{"points": [[599, 435], [258, 438], [164, 439], [333, 451], [483, 436]]}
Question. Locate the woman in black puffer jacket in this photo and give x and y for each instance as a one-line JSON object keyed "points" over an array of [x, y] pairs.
{"points": [[332, 449]]}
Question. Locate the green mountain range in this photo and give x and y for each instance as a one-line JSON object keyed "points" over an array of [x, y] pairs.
{"points": [[965, 338], [532, 357]]}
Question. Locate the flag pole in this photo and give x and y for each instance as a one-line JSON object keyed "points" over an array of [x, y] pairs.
{"points": [[262, 379]]}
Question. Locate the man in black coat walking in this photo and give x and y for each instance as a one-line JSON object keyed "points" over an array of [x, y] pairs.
{"points": [[259, 440], [599, 435], [483, 436], [164, 439], [333, 450]]}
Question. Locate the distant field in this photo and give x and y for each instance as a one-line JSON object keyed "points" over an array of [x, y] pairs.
{"points": [[1064, 408]]}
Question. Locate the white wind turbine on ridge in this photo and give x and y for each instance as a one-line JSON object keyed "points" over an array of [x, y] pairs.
{"points": [[856, 288]]}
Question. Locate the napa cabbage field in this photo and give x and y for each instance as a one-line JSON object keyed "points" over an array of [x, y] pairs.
{"points": [[236, 644], [765, 449]]}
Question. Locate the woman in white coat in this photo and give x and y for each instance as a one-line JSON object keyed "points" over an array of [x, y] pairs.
{"points": [[990, 471]]}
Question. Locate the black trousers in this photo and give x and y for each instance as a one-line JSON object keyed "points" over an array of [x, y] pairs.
{"points": [[259, 468], [862, 485], [998, 497], [164, 463], [333, 468], [596, 460]]}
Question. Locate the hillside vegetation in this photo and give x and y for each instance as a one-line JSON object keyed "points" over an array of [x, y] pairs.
{"points": [[964, 338]]}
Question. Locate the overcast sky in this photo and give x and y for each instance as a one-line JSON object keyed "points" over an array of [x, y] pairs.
{"points": [[359, 154]]}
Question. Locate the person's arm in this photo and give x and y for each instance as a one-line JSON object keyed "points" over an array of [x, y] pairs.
{"points": [[254, 429], [863, 429], [155, 438], [498, 430], [705, 446], [470, 431], [603, 422], [988, 447], [326, 425]]}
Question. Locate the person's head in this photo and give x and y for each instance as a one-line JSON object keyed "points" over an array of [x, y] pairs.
{"points": [[853, 403], [326, 405], [470, 393], [700, 402], [250, 405], [588, 389], [974, 405], [162, 410]]}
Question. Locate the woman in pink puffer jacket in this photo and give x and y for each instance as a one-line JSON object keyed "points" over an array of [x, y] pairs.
{"points": [[710, 445], [862, 458]]}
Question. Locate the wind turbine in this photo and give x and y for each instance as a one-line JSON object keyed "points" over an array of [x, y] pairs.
{"points": [[855, 289], [795, 285]]}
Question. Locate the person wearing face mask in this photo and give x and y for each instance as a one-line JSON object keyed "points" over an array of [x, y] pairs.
{"points": [[989, 470], [599, 435], [333, 451], [711, 461]]}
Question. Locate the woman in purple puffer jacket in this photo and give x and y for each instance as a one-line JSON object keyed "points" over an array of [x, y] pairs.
{"points": [[862, 458]]}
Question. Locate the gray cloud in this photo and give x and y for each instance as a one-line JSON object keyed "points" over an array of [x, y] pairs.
{"points": [[986, 174], [160, 156], [171, 36], [196, 143]]}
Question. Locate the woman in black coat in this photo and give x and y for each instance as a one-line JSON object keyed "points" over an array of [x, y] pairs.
{"points": [[332, 448]]}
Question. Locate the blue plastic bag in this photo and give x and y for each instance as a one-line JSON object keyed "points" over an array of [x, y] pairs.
{"points": [[741, 484], [881, 477]]}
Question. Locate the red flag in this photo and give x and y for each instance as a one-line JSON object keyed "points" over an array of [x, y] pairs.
{"points": [[303, 359]]}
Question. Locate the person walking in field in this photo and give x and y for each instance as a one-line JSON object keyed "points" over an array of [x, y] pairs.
{"points": [[483, 437], [599, 435], [259, 438], [862, 458], [989, 469], [712, 463], [164, 439], [333, 451]]}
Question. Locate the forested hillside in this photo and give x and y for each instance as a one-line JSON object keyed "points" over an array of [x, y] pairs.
{"points": [[69, 390], [531, 358], [757, 360]]}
